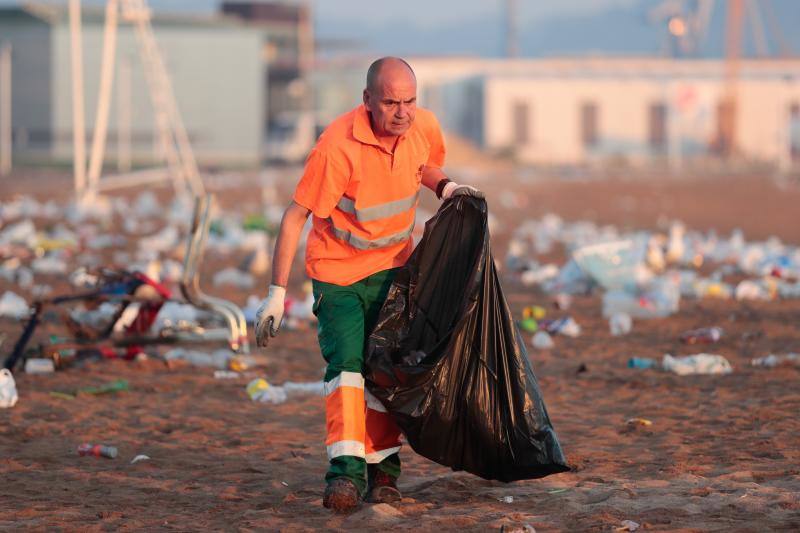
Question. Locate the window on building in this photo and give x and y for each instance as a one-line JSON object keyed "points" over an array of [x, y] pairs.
{"points": [[658, 126], [794, 131], [520, 120], [726, 127], [589, 128]]}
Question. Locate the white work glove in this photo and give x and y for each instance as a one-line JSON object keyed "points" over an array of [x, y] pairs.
{"points": [[270, 314], [454, 189]]}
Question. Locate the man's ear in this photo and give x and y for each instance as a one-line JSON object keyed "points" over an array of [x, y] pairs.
{"points": [[365, 97]]}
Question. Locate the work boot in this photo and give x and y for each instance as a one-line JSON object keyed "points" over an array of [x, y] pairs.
{"points": [[341, 495], [381, 487]]}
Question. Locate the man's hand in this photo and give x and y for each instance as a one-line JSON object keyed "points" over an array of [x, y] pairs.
{"points": [[454, 189], [270, 314]]}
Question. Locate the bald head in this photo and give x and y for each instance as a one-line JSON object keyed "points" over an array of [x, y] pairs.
{"points": [[389, 67], [390, 97]]}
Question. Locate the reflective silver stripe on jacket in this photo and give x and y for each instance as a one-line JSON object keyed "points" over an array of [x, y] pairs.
{"points": [[365, 244], [376, 212]]}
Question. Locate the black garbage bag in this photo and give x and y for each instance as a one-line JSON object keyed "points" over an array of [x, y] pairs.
{"points": [[447, 361]]}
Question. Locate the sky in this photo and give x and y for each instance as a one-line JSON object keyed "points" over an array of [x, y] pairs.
{"points": [[422, 12]]}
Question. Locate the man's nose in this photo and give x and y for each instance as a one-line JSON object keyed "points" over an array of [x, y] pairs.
{"points": [[402, 110]]}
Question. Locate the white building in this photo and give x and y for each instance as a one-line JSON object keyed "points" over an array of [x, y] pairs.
{"points": [[578, 110]]}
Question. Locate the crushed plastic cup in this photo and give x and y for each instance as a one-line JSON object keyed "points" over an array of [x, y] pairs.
{"points": [[8, 389], [620, 324]]}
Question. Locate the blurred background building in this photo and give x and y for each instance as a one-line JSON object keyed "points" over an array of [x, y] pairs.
{"points": [[647, 82], [214, 62]]}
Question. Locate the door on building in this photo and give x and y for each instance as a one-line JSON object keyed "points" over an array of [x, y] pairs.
{"points": [[520, 120], [589, 126], [657, 127], [794, 132]]}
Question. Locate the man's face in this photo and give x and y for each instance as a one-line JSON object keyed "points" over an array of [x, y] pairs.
{"points": [[393, 102]]}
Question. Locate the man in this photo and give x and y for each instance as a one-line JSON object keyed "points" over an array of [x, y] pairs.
{"points": [[361, 182]]}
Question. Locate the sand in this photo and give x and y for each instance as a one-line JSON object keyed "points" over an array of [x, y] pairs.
{"points": [[721, 454]]}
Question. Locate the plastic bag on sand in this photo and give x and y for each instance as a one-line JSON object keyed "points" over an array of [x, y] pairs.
{"points": [[702, 363], [13, 306], [614, 265], [542, 340], [447, 362], [8, 389]]}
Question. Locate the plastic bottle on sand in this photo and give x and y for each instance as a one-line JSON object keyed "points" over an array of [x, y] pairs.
{"points": [[97, 450]]}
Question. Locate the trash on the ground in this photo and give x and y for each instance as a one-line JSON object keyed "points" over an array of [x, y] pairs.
{"points": [[660, 300], [536, 312], [140, 457], [702, 335], [8, 389], [542, 340], [251, 308], [13, 306], [773, 360], [218, 358], [702, 363], [562, 301], [97, 450], [39, 365], [643, 363], [260, 390], [162, 242], [638, 422], [627, 525], [256, 262], [62, 395], [752, 290], [49, 265], [614, 265], [506, 499], [528, 325], [119, 385], [620, 324], [311, 387], [235, 277], [539, 275], [561, 326], [226, 374]]}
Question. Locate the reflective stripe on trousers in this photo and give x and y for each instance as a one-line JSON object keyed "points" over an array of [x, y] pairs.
{"points": [[357, 423]]}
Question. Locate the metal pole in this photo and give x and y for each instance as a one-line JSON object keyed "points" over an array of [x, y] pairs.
{"points": [[78, 126], [124, 116], [5, 109], [104, 95]]}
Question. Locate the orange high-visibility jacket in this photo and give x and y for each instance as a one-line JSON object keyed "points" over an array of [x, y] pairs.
{"points": [[364, 198]]}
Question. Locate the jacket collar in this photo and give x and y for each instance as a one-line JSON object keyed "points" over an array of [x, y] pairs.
{"points": [[362, 130]]}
